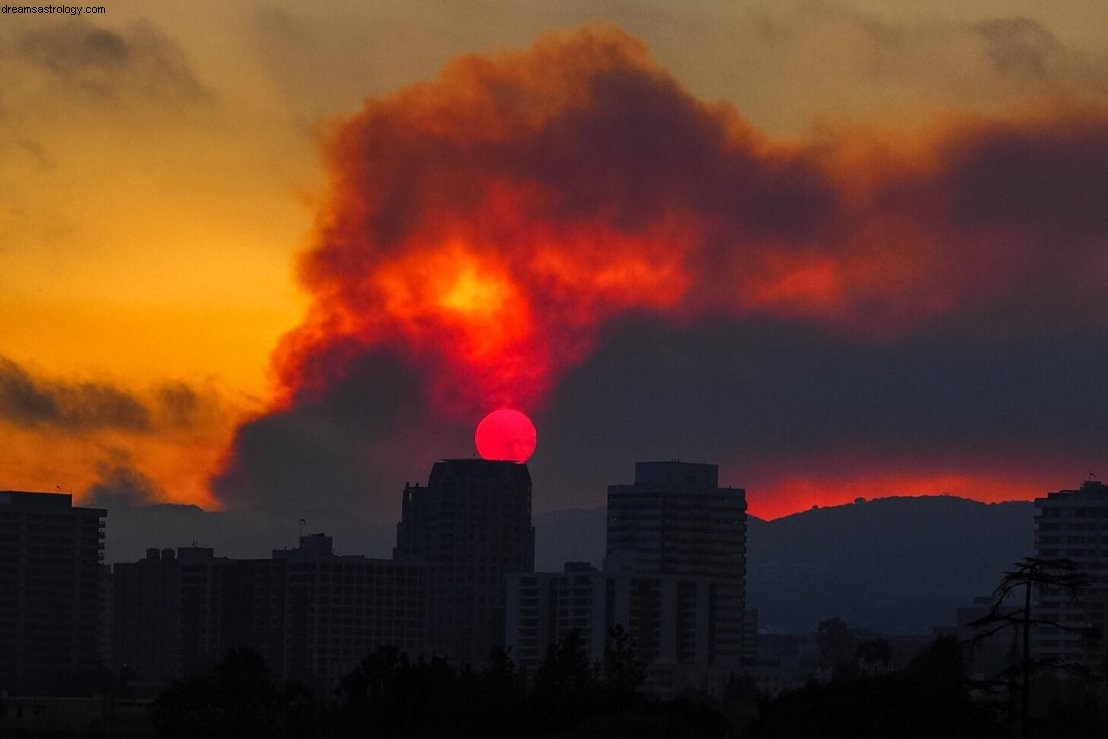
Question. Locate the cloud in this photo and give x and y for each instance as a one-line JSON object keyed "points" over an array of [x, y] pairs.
{"points": [[489, 232], [1020, 47], [120, 484], [349, 443], [105, 63], [28, 402]]}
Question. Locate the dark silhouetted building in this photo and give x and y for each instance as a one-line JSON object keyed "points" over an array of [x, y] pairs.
{"points": [[227, 603], [146, 623], [338, 609], [1073, 524], [675, 520], [176, 613], [52, 602], [674, 579], [471, 526], [313, 615]]}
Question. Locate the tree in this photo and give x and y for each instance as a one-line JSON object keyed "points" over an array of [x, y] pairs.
{"points": [[929, 698], [622, 670], [1011, 611], [836, 643], [566, 668], [873, 656], [238, 698]]}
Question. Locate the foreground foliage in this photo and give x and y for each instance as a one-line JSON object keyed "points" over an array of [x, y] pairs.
{"points": [[390, 696]]}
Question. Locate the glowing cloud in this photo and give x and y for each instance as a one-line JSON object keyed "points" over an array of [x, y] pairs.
{"points": [[486, 228]]}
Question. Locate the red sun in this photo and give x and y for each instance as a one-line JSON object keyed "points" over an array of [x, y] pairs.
{"points": [[506, 434]]}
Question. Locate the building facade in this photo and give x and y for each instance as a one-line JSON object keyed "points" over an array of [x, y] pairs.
{"points": [[674, 579], [339, 609], [146, 639], [311, 614], [676, 521], [1073, 525], [51, 612], [470, 526]]}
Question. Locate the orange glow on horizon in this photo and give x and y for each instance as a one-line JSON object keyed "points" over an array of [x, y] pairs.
{"points": [[785, 496]]}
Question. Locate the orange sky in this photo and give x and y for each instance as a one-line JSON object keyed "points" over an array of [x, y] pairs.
{"points": [[161, 168]]}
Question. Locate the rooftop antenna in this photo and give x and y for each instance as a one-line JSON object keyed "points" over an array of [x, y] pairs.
{"points": [[302, 522], [1092, 476]]}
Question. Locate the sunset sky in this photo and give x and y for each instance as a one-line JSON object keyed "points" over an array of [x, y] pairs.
{"points": [[259, 254]]}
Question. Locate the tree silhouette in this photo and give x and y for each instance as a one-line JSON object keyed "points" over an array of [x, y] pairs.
{"points": [[238, 698], [566, 670], [1011, 611], [622, 670], [873, 656], [927, 700], [836, 643]]}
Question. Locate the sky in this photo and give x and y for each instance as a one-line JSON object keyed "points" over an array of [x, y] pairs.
{"points": [[264, 256]]}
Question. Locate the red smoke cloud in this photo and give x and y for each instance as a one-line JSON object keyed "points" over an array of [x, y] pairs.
{"points": [[487, 226]]}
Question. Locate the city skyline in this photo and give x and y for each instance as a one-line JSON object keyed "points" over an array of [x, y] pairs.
{"points": [[272, 257]]}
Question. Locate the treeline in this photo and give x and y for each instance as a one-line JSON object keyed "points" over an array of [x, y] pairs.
{"points": [[931, 698], [388, 695], [568, 697]]}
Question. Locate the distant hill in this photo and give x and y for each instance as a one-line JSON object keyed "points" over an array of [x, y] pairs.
{"points": [[896, 565]]}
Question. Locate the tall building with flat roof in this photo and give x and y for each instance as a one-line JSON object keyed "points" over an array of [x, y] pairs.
{"points": [[146, 626], [674, 579], [676, 521], [51, 630], [339, 609], [471, 526], [1073, 524]]}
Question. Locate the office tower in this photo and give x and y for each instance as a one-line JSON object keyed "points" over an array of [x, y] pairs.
{"points": [[676, 521], [470, 525], [227, 603], [146, 617], [178, 612], [674, 579], [53, 595], [1073, 524], [339, 609]]}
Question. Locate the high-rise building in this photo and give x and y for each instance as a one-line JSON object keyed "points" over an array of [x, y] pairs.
{"points": [[226, 603], [1073, 524], [471, 526], [146, 627], [339, 609], [51, 635], [674, 580], [675, 520]]}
